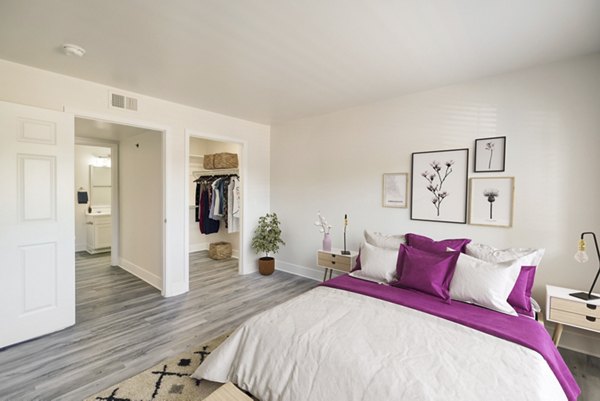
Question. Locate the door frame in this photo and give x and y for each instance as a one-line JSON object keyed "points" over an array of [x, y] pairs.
{"points": [[168, 289], [190, 133]]}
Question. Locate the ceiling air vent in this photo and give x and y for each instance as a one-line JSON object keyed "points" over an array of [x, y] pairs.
{"points": [[123, 102]]}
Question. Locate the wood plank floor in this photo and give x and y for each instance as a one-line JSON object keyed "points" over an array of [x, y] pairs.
{"points": [[125, 326]]}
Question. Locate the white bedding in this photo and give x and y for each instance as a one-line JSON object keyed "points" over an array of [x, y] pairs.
{"points": [[329, 344]]}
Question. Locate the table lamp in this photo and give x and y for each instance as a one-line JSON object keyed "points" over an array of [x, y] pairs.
{"points": [[581, 256]]}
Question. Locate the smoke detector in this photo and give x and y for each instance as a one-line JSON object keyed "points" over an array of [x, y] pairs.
{"points": [[73, 50]]}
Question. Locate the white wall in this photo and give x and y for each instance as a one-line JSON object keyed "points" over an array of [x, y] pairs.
{"points": [[141, 206], [199, 241], [31, 86], [550, 116], [83, 156]]}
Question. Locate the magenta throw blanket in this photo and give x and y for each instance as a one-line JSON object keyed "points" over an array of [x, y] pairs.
{"points": [[520, 330]]}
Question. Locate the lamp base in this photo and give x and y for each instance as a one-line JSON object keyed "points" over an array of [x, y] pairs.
{"points": [[345, 252], [584, 296]]}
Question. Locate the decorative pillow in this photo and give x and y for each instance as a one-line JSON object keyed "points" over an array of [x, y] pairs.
{"points": [[427, 244], [378, 263], [530, 257], [384, 241], [381, 241], [428, 272], [485, 284], [520, 296]]}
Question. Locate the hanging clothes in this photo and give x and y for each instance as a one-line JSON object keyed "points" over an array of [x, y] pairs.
{"points": [[217, 199], [233, 207], [197, 202]]}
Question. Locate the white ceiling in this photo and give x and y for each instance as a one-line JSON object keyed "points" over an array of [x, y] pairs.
{"points": [[275, 60]]}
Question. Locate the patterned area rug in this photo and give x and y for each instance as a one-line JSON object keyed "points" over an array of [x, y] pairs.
{"points": [[169, 380]]}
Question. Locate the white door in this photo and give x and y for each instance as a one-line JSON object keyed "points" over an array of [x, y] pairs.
{"points": [[37, 239]]}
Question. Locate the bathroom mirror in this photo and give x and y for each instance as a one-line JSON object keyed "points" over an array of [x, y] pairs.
{"points": [[100, 185]]}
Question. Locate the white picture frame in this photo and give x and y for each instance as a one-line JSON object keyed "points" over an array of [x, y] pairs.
{"points": [[491, 201], [439, 186], [395, 190]]}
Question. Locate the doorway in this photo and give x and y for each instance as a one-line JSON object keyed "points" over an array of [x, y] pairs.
{"points": [[124, 210], [215, 196]]}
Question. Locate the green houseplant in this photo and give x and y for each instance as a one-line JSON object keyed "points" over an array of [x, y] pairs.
{"points": [[267, 238]]}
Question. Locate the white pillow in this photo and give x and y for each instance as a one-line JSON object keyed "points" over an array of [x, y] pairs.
{"points": [[529, 256], [378, 263], [485, 284], [384, 241]]}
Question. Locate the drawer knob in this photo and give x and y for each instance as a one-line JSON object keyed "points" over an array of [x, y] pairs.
{"points": [[333, 263], [592, 307], [333, 256], [590, 318]]}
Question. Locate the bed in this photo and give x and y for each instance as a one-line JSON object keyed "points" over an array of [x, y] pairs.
{"points": [[351, 339]]}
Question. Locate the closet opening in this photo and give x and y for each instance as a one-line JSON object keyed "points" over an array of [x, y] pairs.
{"points": [[215, 200]]}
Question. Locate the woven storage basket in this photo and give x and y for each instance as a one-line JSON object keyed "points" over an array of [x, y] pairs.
{"points": [[209, 162], [219, 250], [226, 160]]}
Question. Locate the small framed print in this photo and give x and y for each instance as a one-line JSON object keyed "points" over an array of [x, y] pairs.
{"points": [[490, 154], [395, 189], [439, 186], [492, 201]]}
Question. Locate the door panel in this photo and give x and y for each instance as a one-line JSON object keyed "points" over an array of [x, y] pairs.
{"points": [[37, 255]]}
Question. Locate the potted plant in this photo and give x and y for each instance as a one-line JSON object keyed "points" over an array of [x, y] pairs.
{"points": [[267, 238]]}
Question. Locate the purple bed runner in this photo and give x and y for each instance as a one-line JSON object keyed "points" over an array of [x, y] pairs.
{"points": [[520, 330]]}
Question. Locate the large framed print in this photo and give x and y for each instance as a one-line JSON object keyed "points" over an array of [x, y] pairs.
{"points": [[492, 201], [439, 186], [490, 155], [395, 188]]}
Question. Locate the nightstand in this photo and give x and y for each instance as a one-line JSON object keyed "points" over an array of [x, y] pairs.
{"points": [[563, 309], [334, 260]]}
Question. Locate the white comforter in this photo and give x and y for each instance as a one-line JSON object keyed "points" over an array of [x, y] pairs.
{"points": [[330, 344]]}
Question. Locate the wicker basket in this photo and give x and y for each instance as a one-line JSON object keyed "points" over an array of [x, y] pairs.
{"points": [[225, 160], [219, 250], [209, 162]]}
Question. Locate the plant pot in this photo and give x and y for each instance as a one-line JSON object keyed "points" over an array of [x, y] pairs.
{"points": [[266, 265]]}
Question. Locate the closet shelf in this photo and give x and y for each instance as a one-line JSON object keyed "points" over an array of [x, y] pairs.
{"points": [[222, 171]]}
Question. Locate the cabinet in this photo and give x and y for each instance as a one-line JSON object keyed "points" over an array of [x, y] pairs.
{"points": [[334, 260], [563, 309], [99, 233]]}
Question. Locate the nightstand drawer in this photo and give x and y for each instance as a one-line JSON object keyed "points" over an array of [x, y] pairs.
{"points": [[579, 308], [333, 261], [574, 319]]}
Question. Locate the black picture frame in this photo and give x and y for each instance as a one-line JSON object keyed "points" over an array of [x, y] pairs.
{"points": [[484, 155], [439, 178]]}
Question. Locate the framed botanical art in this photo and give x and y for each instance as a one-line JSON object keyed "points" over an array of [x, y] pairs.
{"points": [[395, 190], [492, 201], [490, 154], [439, 186]]}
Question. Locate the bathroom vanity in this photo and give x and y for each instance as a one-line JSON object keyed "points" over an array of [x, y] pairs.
{"points": [[99, 231]]}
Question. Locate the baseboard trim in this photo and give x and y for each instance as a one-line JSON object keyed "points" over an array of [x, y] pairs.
{"points": [[235, 253], [298, 270], [141, 273], [199, 247]]}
